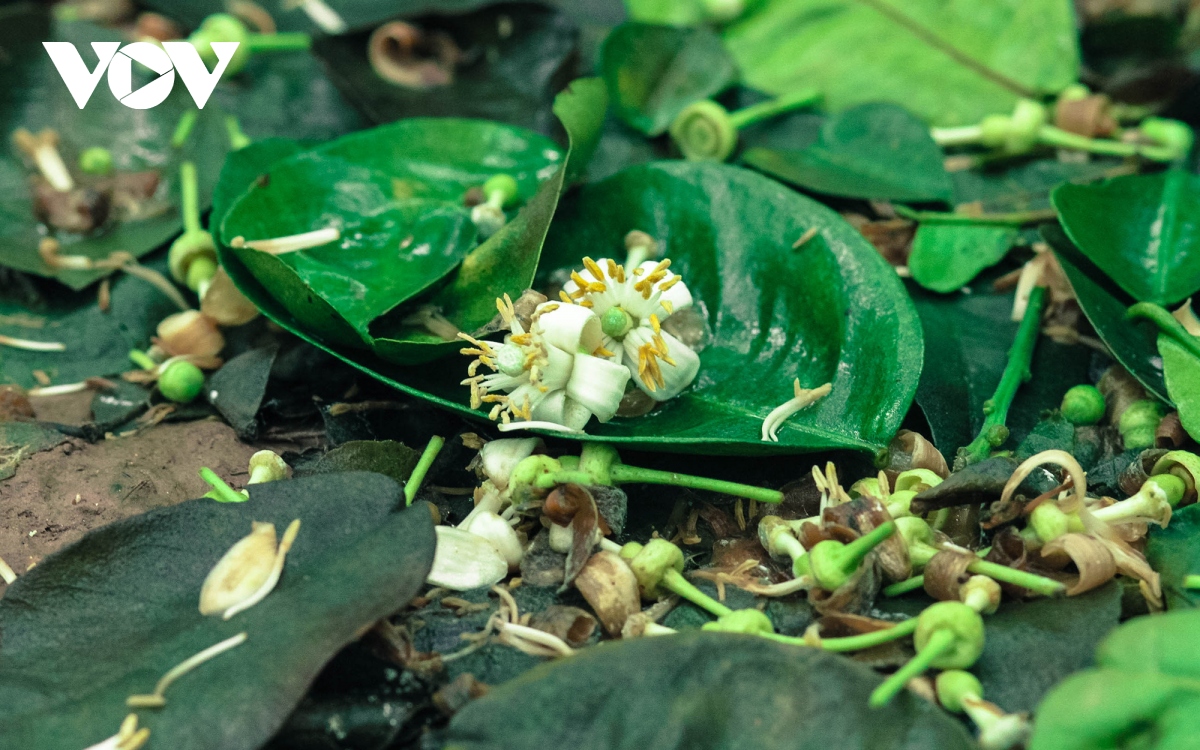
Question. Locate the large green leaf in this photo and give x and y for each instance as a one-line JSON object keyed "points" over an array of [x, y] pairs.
{"points": [[653, 72], [831, 310], [946, 256], [1181, 372], [1174, 552], [529, 54], [1145, 692], [506, 263], [1105, 304], [951, 63], [104, 618], [1141, 230], [877, 151], [347, 180], [700, 691]]}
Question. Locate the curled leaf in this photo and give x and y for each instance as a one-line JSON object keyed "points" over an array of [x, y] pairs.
{"points": [[247, 572]]}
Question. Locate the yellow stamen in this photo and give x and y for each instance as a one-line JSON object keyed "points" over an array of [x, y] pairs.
{"points": [[594, 269], [667, 306], [668, 284], [565, 297], [655, 324], [600, 351]]}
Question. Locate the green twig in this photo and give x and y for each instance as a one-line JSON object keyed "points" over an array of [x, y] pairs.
{"points": [[994, 432], [422, 468], [221, 492]]}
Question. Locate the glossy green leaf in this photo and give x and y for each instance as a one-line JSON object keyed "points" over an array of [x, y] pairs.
{"points": [[529, 54], [829, 311], [967, 338], [417, 162], [506, 263], [700, 691], [653, 72], [1104, 304], [875, 151], [1181, 372], [949, 64], [104, 618], [1141, 230], [237, 389], [243, 167], [1145, 692], [947, 256]]}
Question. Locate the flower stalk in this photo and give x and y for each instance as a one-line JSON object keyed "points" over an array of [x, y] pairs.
{"points": [[949, 635], [428, 456], [706, 131]]}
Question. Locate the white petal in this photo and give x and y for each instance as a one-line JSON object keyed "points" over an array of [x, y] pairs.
{"points": [[500, 456], [675, 377], [569, 327], [499, 534], [575, 415], [463, 561], [534, 394], [551, 408], [557, 371], [679, 296], [598, 385]]}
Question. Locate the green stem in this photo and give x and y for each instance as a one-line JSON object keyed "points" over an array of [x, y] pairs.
{"points": [[674, 581], [939, 643], [190, 192], [285, 41], [994, 433], [549, 481], [903, 587], [1166, 323], [1032, 581], [221, 492], [855, 642], [184, 129], [141, 359], [1053, 136], [237, 139], [422, 468], [1015, 218], [768, 109], [1191, 581], [623, 474]]}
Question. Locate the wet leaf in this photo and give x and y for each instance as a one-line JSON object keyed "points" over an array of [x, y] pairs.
{"points": [[699, 690], [947, 256], [653, 72], [1140, 230], [106, 617], [242, 168], [516, 58], [876, 151], [948, 65], [1174, 552], [1104, 304]]}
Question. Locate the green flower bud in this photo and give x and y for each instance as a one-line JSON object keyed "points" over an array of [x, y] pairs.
{"points": [[832, 563], [956, 618], [953, 685], [96, 160], [501, 189], [1083, 405], [1173, 135], [651, 564], [1138, 423], [181, 382]]}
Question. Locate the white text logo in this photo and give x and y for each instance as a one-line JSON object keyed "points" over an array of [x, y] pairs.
{"points": [[118, 61]]}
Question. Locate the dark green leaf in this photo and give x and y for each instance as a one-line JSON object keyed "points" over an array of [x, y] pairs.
{"points": [[1004, 186], [876, 151], [980, 484], [243, 167], [106, 617], [951, 65], [1174, 552], [699, 691], [97, 343], [386, 457], [1104, 304], [237, 389], [947, 256], [1141, 230], [1032, 646], [653, 72], [506, 263], [517, 57]]}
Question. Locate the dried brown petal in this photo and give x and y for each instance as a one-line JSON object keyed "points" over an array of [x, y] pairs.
{"points": [[1170, 433], [910, 450], [571, 624], [610, 587], [1091, 557], [1089, 116], [190, 333], [410, 57], [225, 304], [945, 574]]}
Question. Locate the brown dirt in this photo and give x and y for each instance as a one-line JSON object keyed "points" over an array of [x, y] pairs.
{"points": [[58, 495]]}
